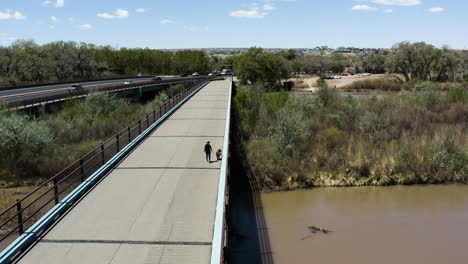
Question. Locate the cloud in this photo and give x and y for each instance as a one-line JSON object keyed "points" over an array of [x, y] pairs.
{"points": [[394, 2], [141, 10], [167, 22], [60, 3], [252, 13], [268, 7], [118, 14], [436, 10], [388, 11], [85, 26], [364, 8], [11, 15], [54, 19], [46, 3]]}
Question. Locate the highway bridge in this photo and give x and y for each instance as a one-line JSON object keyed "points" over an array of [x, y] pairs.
{"points": [[146, 196], [48, 94]]}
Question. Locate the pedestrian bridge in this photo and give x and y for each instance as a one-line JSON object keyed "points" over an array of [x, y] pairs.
{"points": [[162, 203]]}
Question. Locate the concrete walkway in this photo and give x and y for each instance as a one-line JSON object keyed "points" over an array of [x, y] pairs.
{"points": [[158, 205]]}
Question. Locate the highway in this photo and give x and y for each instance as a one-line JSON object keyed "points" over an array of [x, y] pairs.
{"points": [[49, 90]]}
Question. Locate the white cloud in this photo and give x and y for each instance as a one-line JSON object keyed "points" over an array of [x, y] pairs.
{"points": [[141, 10], [11, 15], [167, 22], [60, 3], [85, 26], [54, 19], [364, 8], [268, 7], [394, 2], [52, 27], [118, 14], [388, 11], [46, 3], [436, 10], [252, 13]]}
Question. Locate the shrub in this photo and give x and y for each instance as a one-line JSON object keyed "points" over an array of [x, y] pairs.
{"points": [[287, 129], [386, 84], [22, 138], [458, 95], [448, 161], [326, 95], [100, 104], [157, 101]]}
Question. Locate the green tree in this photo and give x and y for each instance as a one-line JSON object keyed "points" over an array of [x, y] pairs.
{"points": [[256, 66]]}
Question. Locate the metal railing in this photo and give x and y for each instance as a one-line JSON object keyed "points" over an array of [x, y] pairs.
{"points": [[220, 239], [113, 88], [26, 211]]}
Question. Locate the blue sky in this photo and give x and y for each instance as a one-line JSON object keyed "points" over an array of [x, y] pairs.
{"points": [[236, 23]]}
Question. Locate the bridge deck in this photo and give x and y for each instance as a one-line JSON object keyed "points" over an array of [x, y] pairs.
{"points": [[158, 205]]}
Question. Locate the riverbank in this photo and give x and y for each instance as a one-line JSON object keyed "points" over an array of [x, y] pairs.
{"points": [[292, 142]]}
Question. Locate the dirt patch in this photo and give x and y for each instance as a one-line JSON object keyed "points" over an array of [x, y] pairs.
{"points": [[338, 83]]}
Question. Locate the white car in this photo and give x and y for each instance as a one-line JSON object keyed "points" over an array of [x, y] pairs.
{"points": [[336, 77], [195, 74], [128, 82]]}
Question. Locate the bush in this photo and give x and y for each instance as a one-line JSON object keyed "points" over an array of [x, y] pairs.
{"points": [[458, 95], [21, 139], [386, 84], [100, 104], [327, 95]]}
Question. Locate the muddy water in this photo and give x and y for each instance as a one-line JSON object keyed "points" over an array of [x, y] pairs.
{"points": [[417, 224]]}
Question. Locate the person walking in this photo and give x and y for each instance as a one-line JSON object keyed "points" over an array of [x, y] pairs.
{"points": [[208, 151]]}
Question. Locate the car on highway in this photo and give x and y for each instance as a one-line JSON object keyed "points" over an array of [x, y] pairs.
{"points": [[76, 88], [195, 74], [128, 82], [156, 78], [337, 77], [328, 77], [183, 75]]}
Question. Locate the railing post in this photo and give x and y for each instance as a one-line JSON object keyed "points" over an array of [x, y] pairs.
{"points": [[129, 136], [147, 121], [154, 116], [139, 127], [20, 217], [160, 111], [82, 169], [56, 198], [117, 142], [102, 154]]}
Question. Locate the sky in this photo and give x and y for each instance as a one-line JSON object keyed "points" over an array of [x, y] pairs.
{"points": [[170, 24]]}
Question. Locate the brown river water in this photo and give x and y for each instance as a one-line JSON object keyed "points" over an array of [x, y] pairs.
{"points": [[400, 224]]}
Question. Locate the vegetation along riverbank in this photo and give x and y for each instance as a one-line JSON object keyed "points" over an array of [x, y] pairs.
{"points": [[290, 141]]}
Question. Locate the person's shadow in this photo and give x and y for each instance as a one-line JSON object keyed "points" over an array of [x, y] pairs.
{"points": [[214, 161]]}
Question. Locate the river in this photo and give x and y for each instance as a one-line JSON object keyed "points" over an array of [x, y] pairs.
{"points": [[398, 224]]}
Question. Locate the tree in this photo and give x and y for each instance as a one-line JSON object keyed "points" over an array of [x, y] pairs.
{"points": [[413, 60], [189, 61], [258, 66], [373, 63]]}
